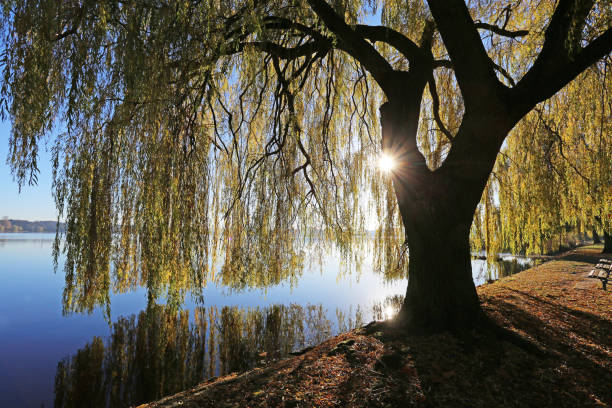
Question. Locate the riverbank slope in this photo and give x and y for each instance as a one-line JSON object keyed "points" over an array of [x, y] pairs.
{"points": [[553, 305]]}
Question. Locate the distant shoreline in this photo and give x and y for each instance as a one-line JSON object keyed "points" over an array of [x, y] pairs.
{"points": [[23, 226], [27, 232]]}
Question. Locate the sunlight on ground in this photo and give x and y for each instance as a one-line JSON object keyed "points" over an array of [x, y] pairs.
{"points": [[386, 163]]}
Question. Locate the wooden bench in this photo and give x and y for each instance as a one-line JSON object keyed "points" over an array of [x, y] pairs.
{"points": [[602, 272]]}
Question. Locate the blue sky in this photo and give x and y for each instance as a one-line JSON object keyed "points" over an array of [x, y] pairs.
{"points": [[34, 203]]}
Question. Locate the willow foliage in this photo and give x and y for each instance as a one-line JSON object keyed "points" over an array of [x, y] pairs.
{"points": [[189, 133], [558, 186]]}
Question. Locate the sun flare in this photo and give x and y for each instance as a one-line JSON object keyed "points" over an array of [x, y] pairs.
{"points": [[386, 163], [389, 312]]}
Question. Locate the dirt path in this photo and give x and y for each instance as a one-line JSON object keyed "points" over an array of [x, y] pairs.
{"points": [[553, 305]]}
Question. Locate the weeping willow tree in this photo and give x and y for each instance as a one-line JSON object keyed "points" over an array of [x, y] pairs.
{"points": [[187, 131]]}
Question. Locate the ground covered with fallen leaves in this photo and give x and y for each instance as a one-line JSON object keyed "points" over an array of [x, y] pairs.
{"points": [[554, 306]]}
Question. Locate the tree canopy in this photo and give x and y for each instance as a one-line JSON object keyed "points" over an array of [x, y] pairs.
{"points": [[186, 132]]}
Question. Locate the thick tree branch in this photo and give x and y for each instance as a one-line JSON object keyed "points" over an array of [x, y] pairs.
{"points": [[596, 50], [394, 38], [442, 63], [355, 44], [562, 58], [473, 69]]}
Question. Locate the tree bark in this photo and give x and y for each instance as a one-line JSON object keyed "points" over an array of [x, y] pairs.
{"points": [[596, 239], [441, 294], [607, 243]]}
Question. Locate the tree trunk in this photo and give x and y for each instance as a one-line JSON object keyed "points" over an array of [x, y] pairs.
{"points": [[596, 239], [441, 294], [607, 243], [437, 207], [437, 217]]}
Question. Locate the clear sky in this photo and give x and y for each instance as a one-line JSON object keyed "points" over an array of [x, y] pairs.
{"points": [[34, 203]]}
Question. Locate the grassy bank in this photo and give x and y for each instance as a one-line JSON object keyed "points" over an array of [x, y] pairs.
{"points": [[567, 316]]}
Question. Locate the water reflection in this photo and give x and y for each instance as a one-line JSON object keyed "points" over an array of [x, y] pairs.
{"points": [[387, 308], [42, 239], [162, 351], [489, 271]]}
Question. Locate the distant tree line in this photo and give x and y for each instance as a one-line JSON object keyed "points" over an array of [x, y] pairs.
{"points": [[7, 225]]}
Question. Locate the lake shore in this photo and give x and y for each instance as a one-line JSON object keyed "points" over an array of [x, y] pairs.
{"points": [[554, 306]]}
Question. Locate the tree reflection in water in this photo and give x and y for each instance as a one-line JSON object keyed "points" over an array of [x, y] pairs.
{"points": [[163, 351]]}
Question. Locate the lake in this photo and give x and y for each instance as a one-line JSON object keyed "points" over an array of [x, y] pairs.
{"points": [[145, 351]]}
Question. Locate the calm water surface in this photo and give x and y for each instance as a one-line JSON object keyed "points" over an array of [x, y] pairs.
{"points": [[48, 359]]}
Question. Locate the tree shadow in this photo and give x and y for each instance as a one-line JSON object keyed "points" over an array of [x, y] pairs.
{"points": [[581, 341], [480, 370]]}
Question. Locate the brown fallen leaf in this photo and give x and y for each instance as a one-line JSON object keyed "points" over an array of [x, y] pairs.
{"points": [[409, 370]]}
